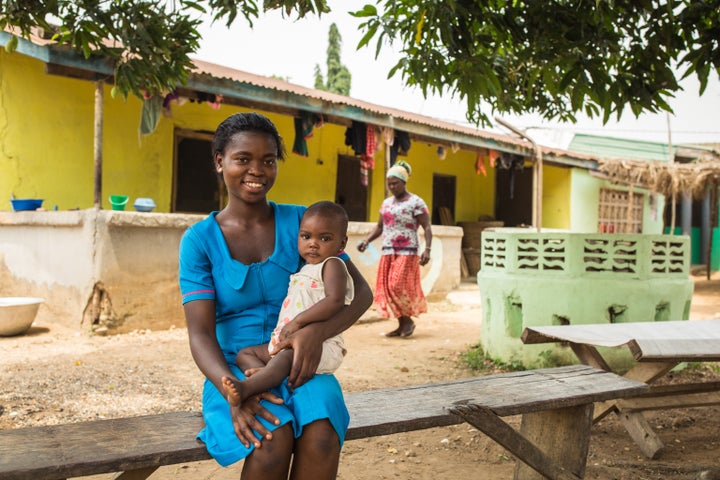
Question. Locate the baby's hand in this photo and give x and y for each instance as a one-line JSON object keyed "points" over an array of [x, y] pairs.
{"points": [[288, 330]]}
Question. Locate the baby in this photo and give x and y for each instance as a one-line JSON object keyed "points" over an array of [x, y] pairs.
{"points": [[316, 292]]}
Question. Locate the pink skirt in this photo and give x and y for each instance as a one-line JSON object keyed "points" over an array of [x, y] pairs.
{"points": [[397, 290]]}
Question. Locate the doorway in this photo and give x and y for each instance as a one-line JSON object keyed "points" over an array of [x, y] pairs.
{"points": [[196, 186], [513, 196], [350, 193], [443, 196]]}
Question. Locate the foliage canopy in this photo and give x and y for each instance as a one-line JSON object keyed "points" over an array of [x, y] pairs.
{"points": [[554, 57]]}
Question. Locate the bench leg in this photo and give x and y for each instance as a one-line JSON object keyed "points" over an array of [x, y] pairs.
{"points": [[139, 474], [559, 431], [642, 433]]}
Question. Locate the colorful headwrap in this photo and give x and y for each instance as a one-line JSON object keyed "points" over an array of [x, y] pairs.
{"points": [[401, 170]]}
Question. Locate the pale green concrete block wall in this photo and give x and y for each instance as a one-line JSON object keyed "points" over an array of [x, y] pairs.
{"points": [[530, 279], [512, 303]]}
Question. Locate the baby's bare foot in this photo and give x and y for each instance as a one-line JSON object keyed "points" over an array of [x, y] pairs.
{"points": [[232, 389]]}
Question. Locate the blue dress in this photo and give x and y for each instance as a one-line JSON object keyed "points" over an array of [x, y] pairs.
{"points": [[247, 302]]}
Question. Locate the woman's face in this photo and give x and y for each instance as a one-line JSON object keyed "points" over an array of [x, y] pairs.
{"points": [[248, 165], [396, 186]]}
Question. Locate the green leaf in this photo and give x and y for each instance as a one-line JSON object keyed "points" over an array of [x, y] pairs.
{"points": [[12, 44]]}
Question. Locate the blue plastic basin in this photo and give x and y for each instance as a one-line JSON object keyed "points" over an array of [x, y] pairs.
{"points": [[20, 204]]}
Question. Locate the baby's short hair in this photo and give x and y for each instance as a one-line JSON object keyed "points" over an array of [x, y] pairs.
{"points": [[330, 210]]}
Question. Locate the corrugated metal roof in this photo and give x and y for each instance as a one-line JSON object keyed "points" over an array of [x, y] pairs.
{"points": [[266, 92], [612, 147]]}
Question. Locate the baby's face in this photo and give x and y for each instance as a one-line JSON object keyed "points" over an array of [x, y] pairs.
{"points": [[320, 238]]}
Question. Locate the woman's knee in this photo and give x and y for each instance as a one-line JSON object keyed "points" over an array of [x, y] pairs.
{"points": [[272, 459], [319, 437]]}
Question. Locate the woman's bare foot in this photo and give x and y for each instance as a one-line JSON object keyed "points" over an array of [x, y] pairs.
{"points": [[232, 389]]}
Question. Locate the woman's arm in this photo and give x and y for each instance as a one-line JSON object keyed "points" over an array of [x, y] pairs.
{"points": [[375, 233], [307, 342], [205, 349], [424, 221]]}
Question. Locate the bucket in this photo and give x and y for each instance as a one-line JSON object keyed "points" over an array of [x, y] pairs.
{"points": [[118, 201]]}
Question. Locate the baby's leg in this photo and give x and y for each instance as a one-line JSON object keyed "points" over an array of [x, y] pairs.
{"points": [[263, 380], [247, 358], [253, 357]]}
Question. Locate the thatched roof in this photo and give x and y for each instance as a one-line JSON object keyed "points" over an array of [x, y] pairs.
{"points": [[667, 178]]}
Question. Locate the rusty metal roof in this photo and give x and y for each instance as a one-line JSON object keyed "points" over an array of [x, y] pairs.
{"points": [[275, 95]]}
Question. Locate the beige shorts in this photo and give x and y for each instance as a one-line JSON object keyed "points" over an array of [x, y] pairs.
{"points": [[332, 355]]}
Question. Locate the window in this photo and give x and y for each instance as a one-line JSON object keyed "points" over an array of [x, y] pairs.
{"points": [[620, 211]]}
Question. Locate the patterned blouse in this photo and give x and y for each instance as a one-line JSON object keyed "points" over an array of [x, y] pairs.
{"points": [[400, 224]]}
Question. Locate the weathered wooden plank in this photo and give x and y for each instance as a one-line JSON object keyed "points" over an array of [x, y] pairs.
{"points": [[697, 340], [523, 448], [588, 355], [127, 444], [687, 400], [87, 448], [679, 349], [642, 433], [564, 436], [141, 474], [414, 407]]}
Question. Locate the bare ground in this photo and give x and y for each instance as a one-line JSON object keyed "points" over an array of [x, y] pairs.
{"points": [[52, 376]]}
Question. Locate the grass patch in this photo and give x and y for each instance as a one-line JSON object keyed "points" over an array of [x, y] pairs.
{"points": [[476, 360]]}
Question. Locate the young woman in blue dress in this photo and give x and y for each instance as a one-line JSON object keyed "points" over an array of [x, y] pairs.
{"points": [[234, 270]]}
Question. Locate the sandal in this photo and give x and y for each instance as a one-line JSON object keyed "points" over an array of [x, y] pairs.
{"points": [[408, 332], [394, 333]]}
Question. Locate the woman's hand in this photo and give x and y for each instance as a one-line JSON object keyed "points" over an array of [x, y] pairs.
{"points": [[244, 420], [425, 257], [307, 348]]}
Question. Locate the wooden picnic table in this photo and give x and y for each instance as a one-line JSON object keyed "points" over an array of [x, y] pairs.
{"points": [[658, 347]]}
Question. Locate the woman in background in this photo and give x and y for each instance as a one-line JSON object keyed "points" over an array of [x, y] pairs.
{"points": [[398, 291]]}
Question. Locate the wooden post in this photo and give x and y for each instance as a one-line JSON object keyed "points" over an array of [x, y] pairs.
{"points": [[628, 219], [537, 174], [387, 167], [98, 141], [713, 223]]}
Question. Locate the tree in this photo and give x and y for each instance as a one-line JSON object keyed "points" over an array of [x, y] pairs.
{"points": [[149, 43], [338, 75], [555, 57]]}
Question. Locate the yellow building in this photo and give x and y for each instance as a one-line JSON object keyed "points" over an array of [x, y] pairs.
{"points": [[52, 100]]}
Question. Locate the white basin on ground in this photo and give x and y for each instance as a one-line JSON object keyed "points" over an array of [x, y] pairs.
{"points": [[17, 314]]}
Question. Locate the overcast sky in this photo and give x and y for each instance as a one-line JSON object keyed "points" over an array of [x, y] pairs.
{"points": [[291, 48]]}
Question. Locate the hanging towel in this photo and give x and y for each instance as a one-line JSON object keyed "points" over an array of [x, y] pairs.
{"points": [[480, 165], [400, 146], [356, 137]]}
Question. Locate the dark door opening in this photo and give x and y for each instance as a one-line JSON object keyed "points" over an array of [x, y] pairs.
{"points": [[196, 188], [513, 196], [349, 191], [444, 189]]}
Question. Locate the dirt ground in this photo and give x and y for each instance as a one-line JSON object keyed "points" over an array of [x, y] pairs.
{"points": [[52, 376]]}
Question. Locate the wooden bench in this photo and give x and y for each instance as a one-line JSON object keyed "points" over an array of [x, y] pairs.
{"points": [[556, 404]]}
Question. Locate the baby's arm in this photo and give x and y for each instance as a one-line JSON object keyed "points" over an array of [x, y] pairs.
{"points": [[334, 275]]}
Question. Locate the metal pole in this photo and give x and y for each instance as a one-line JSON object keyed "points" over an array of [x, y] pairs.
{"points": [[537, 173]]}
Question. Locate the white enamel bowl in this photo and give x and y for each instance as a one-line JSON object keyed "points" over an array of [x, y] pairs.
{"points": [[17, 314]]}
